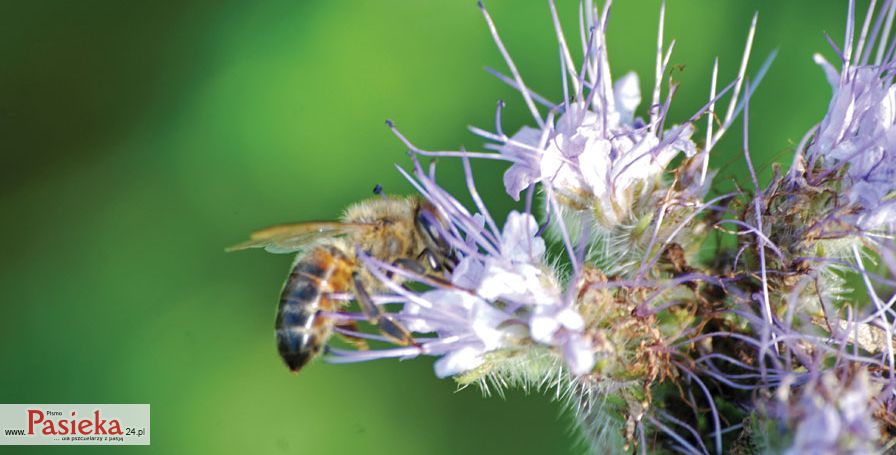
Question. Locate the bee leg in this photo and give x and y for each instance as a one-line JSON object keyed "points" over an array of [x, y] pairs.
{"points": [[394, 330], [416, 267], [410, 265], [369, 308], [359, 343], [439, 263], [430, 259], [386, 323]]}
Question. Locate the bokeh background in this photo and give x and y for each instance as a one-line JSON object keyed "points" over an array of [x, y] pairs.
{"points": [[141, 138]]}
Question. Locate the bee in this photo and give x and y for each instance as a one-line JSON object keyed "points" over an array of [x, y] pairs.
{"points": [[408, 232]]}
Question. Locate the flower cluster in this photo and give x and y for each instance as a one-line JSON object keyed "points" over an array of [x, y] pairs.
{"points": [[500, 295], [858, 135], [827, 414], [599, 153], [653, 344], [833, 417], [500, 301]]}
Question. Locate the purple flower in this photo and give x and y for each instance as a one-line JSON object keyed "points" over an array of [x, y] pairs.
{"points": [[661, 329], [599, 155], [833, 416], [858, 132], [500, 296], [467, 327]]}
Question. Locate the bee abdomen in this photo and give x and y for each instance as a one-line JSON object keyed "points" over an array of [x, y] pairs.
{"points": [[301, 331]]}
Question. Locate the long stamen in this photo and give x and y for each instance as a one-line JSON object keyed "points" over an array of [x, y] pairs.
{"points": [[710, 118], [516, 74], [659, 59], [564, 49]]}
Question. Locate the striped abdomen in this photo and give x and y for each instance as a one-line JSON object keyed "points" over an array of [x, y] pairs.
{"points": [[301, 330]]}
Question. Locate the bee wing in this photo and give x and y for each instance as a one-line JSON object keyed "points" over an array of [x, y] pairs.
{"points": [[289, 238]]}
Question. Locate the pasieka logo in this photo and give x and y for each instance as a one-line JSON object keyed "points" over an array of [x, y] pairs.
{"points": [[117, 424]]}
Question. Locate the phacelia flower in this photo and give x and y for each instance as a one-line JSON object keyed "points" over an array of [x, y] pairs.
{"points": [[505, 312], [838, 200], [831, 414], [603, 295], [857, 136], [499, 302], [603, 169], [601, 154]]}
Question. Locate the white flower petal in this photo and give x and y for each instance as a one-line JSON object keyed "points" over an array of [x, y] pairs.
{"points": [[525, 169], [518, 240], [571, 319], [458, 361], [486, 321], [579, 355], [628, 96], [594, 164], [542, 328]]}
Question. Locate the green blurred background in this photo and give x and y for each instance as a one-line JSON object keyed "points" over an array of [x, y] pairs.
{"points": [[141, 138]]}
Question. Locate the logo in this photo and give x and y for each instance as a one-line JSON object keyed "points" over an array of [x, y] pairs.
{"points": [[74, 424]]}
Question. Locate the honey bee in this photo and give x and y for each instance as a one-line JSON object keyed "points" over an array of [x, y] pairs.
{"points": [[407, 232]]}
